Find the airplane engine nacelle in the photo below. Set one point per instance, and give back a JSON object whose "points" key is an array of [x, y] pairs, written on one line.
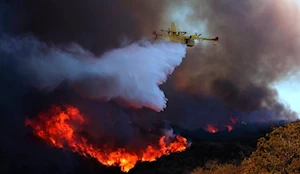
{"points": [[193, 36]]}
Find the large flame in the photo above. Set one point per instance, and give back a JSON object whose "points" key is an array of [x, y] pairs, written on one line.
{"points": [[60, 128]]}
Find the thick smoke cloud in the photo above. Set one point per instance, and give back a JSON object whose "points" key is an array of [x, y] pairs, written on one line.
{"points": [[259, 43], [258, 46], [95, 25]]}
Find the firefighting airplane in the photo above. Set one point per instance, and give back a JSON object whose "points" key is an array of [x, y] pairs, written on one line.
{"points": [[178, 36]]}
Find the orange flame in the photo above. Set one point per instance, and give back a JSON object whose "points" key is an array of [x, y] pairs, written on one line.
{"points": [[212, 128], [229, 127], [233, 120], [59, 128]]}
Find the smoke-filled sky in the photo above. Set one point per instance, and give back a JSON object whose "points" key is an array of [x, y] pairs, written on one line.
{"points": [[289, 87], [258, 49]]}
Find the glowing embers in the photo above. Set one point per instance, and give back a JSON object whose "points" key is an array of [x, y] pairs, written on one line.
{"points": [[211, 128], [61, 128], [214, 128]]}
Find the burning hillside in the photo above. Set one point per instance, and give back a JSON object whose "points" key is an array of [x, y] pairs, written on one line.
{"points": [[61, 128]]}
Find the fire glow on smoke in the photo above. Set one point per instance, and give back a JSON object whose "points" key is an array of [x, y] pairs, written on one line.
{"points": [[60, 128]]}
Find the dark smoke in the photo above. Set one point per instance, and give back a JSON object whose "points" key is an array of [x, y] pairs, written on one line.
{"points": [[96, 25], [258, 45], [259, 42]]}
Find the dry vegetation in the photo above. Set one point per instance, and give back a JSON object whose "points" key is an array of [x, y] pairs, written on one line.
{"points": [[277, 152], [214, 168]]}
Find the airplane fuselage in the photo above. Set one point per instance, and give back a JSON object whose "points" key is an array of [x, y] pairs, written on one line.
{"points": [[176, 35], [182, 39]]}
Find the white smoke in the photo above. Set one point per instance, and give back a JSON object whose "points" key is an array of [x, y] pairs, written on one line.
{"points": [[132, 73]]}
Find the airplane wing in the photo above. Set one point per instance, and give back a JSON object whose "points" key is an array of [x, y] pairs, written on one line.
{"points": [[159, 34], [173, 30], [215, 40]]}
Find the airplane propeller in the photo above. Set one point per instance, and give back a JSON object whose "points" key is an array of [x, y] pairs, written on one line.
{"points": [[197, 35]]}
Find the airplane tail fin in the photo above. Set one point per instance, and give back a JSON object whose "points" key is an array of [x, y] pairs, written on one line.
{"points": [[173, 28], [154, 32], [215, 40]]}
